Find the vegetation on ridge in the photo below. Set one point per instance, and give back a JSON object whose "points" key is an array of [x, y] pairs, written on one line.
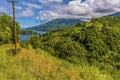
{"points": [[91, 43], [56, 24], [87, 51]]}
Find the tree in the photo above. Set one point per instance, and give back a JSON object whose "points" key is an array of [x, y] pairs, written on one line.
{"points": [[6, 29]]}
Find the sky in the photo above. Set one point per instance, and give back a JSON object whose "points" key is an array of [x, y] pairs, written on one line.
{"points": [[34, 12]]}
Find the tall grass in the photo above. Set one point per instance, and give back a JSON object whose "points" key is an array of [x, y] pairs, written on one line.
{"points": [[32, 64]]}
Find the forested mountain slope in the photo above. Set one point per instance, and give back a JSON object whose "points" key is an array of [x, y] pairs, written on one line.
{"points": [[55, 24], [90, 43], [36, 64]]}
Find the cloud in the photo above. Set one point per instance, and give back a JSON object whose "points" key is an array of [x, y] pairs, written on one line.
{"points": [[27, 12], [49, 1], [18, 8], [23, 26], [31, 5], [80, 9], [3, 9]]}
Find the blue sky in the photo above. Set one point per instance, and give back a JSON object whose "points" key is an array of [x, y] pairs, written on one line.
{"points": [[34, 12]]}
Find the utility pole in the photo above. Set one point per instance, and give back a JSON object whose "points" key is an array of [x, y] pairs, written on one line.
{"points": [[14, 24]]}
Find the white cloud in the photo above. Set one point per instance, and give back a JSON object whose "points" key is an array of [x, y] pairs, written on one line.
{"points": [[49, 1], [27, 12], [37, 17], [23, 26], [18, 8], [31, 5], [3, 9], [76, 9]]}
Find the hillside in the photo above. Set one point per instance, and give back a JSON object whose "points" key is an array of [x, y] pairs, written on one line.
{"points": [[95, 43], [30, 64], [86, 51], [55, 24]]}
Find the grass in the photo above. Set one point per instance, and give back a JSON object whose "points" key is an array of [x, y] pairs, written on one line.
{"points": [[37, 64]]}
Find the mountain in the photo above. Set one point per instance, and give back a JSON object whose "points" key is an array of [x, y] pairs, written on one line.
{"points": [[56, 24], [115, 14], [94, 43]]}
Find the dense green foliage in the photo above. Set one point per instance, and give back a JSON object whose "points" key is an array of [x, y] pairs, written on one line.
{"points": [[6, 29], [95, 43], [89, 51], [56, 24]]}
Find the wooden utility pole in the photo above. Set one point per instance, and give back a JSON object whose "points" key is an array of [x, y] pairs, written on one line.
{"points": [[14, 24]]}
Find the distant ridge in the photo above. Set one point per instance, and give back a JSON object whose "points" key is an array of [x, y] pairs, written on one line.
{"points": [[56, 24], [115, 14]]}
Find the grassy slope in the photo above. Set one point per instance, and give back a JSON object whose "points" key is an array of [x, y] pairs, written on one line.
{"points": [[32, 64]]}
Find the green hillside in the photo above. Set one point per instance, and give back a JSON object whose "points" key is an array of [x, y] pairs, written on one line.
{"points": [[87, 51], [55, 24], [95, 43], [30, 64]]}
